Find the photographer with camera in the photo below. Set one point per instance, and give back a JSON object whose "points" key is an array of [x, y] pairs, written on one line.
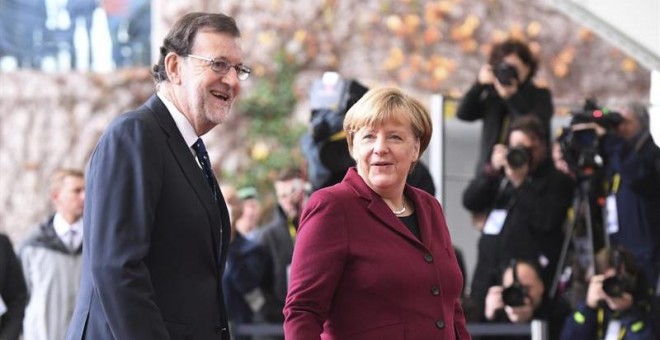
{"points": [[632, 174], [504, 90], [618, 302], [523, 200], [522, 297]]}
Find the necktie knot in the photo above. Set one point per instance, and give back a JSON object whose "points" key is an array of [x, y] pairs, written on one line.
{"points": [[205, 162]]}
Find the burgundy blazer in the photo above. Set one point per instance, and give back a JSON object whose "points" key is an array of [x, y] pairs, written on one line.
{"points": [[359, 273]]}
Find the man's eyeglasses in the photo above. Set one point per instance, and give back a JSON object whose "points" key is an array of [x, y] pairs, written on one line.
{"points": [[222, 66]]}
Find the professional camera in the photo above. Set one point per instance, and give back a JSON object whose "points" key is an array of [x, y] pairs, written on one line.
{"points": [[616, 285], [518, 156], [579, 144], [506, 74], [621, 282], [325, 145], [515, 294]]}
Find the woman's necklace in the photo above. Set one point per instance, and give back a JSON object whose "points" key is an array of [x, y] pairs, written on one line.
{"points": [[400, 211]]}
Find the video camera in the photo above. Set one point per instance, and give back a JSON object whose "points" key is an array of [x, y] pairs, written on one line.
{"points": [[515, 294], [579, 144], [325, 145]]}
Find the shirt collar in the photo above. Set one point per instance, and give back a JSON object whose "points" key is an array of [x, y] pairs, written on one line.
{"points": [[182, 123], [62, 227]]}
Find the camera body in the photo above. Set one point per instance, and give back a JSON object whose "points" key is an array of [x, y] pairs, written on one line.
{"points": [[580, 147], [506, 73], [615, 286], [518, 156], [514, 295]]}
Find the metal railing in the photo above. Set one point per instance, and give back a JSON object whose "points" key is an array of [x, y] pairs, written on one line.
{"points": [[537, 329]]}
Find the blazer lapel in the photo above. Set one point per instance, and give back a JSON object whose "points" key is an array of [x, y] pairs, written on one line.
{"points": [[377, 206], [191, 170], [423, 211]]}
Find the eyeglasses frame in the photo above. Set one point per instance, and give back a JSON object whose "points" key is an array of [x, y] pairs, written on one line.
{"points": [[242, 71]]}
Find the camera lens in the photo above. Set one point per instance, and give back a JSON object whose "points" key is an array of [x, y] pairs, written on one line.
{"points": [[514, 296], [517, 157], [506, 74], [614, 286]]}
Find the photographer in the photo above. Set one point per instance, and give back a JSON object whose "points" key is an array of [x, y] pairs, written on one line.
{"points": [[632, 175], [617, 304], [523, 200], [522, 297], [504, 90]]}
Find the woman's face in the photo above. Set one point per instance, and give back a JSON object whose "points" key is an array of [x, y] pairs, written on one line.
{"points": [[384, 155]]}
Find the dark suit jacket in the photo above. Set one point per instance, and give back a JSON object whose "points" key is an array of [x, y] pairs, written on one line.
{"points": [[12, 290], [359, 273], [155, 238]]}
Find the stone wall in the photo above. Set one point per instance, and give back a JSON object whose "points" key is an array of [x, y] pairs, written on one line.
{"points": [[50, 121]]}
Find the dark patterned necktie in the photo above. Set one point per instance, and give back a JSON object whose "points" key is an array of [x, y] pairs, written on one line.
{"points": [[205, 162]]}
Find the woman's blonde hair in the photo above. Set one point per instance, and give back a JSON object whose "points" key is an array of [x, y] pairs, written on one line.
{"points": [[380, 105]]}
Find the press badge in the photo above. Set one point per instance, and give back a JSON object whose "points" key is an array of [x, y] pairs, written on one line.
{"points": [[495, 222], [613, 330], [612, 215], [3, 306]]}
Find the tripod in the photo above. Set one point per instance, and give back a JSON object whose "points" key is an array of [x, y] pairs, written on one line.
{"points": [[580, 201]]}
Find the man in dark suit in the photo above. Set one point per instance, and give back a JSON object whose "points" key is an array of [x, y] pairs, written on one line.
{"points": [[156, 225], [13, 292]]}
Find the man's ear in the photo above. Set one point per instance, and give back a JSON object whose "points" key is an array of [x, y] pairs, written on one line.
{"points": [[173, 67]]}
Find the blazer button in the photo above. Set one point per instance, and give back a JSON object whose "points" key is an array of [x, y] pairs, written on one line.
{"points": [[428, 257], [440, 324], [435, 291]]}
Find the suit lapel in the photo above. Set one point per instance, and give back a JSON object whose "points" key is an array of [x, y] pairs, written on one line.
{"points": [[191, 170]]}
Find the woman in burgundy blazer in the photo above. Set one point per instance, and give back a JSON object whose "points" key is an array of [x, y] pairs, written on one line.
{"points": [[373, 257]]}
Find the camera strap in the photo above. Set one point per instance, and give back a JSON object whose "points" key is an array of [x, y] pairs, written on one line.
{"points": [[498, 213], [504, 129]]}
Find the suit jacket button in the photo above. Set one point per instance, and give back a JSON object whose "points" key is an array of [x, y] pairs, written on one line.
{"points": [[440, 324], [435, 291], [428, 257]]}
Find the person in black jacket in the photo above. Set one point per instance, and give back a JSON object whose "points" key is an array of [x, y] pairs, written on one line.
{"points": [[13, 292], [523, 201], [504, 90]]}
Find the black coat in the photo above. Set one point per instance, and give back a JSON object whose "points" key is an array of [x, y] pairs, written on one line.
{"points": [[12, 290], [533, 225], [483, 102]]}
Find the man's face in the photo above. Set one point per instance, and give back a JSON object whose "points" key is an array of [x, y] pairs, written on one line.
{"points": [[290, 195], [630, 126], [205, 96], [69, 200]]}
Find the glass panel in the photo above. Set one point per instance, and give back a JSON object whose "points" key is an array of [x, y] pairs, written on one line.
{"points": [[83, 35]]}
